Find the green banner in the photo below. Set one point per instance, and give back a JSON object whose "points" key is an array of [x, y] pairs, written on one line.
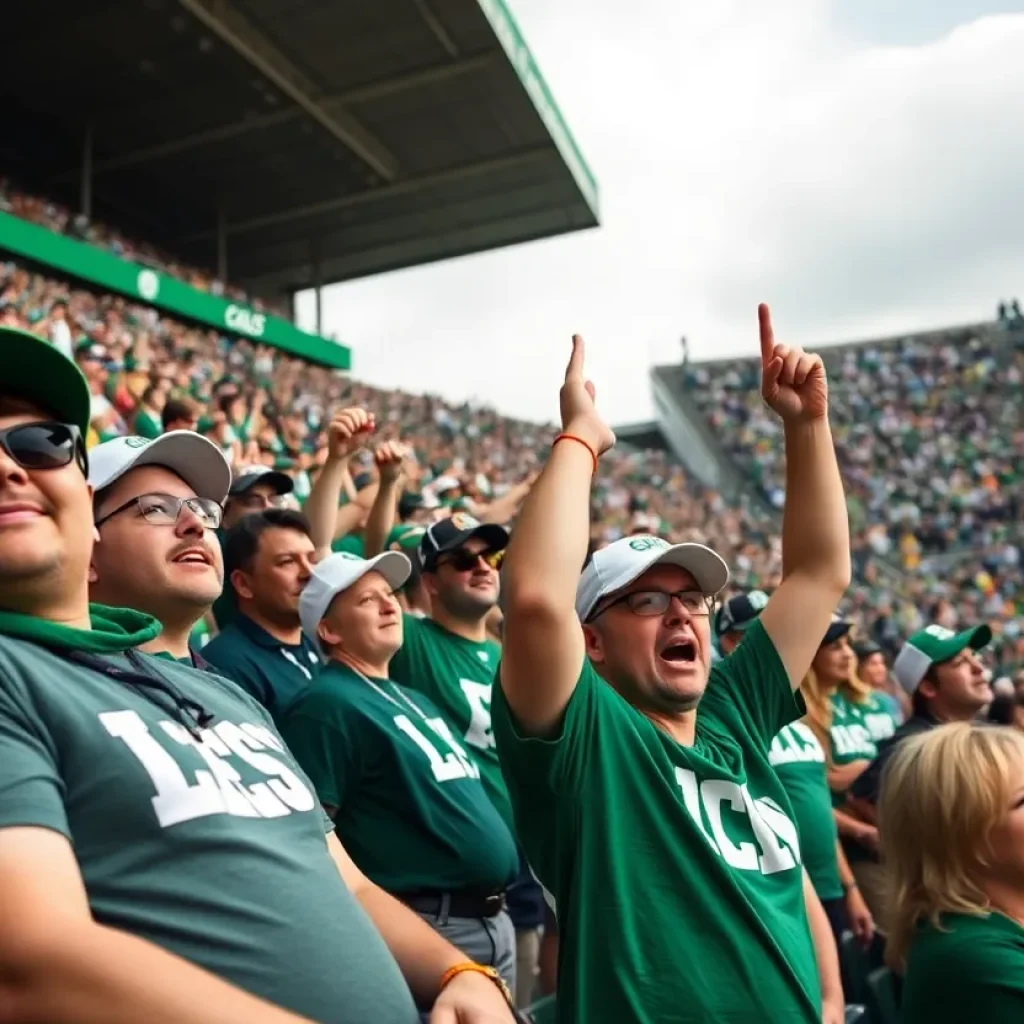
{"points": [[167, 293]]}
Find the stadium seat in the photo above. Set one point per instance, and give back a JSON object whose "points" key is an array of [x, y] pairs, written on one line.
{"points": [[882, 997], [855, 966], [542, 1011]]}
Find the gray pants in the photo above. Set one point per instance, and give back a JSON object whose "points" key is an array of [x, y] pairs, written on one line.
{"points": [[487, 940]]}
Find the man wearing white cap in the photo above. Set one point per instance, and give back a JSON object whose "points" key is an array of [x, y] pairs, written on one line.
{"points": [[405, 796], [662, 831], [157, 505]]}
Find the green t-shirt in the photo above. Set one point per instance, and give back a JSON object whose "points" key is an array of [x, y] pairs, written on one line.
{"points": [[851, 739], [799, 761], [458, 676], [410, 807], [207, 842], [878, 716], [676, 870], [351, 543], [147, 424], [275, 673], [972, 970]]}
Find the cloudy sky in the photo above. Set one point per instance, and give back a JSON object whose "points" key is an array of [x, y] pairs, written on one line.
{"points": [[859, 164]]}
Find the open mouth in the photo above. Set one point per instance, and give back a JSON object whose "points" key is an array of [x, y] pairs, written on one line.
{"points": [[682, 652], [194, 556]]}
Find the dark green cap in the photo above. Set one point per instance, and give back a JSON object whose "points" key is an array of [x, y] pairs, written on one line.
{"points": [[32, 369]]}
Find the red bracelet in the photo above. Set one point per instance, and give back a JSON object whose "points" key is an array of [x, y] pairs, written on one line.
{"points": [[579, 440]]}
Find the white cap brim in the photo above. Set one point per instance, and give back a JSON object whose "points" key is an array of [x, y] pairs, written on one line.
{"points": [[336, 574], [707, 568], [194, 458]]}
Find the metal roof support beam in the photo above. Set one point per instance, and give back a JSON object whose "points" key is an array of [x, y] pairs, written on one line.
{"points": [[85, 198], [370, 195], [225, 21], [237, 128]]}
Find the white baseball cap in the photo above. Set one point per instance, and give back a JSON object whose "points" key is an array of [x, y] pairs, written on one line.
{"points": [[617, 565], [197, 460], [338, 572]]}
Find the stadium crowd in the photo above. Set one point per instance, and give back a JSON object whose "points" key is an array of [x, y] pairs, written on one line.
{"points": [[929, 436], [333, 550]]}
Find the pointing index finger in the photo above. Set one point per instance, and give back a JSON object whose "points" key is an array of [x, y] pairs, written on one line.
{"points": [[575, 367], [764, 323]]}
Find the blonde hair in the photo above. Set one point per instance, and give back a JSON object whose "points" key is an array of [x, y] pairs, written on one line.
{"points": [[819, 705], [942, 795]]}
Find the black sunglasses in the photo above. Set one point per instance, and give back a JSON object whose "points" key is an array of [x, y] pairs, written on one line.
{"points": [[463, 560], [45, 445]]}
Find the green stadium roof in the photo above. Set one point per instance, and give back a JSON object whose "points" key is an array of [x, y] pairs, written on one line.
{"points": [[371, 136]]}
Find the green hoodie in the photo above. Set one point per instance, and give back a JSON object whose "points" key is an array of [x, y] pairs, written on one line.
{"points": [[192, 825]]}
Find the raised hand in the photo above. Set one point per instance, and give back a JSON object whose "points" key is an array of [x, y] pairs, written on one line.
{"points": [[793, 382], [389, 459], [348, 431], [576, 400]]}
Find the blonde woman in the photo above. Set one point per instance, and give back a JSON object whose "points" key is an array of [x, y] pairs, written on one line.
{"points": [[952, 818], [838, 706]]}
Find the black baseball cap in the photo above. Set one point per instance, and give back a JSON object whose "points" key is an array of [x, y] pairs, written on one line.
{"points": [[837, 628], [740, 612], [282, 483], [865, 649], [408, 503], [451, 533]]}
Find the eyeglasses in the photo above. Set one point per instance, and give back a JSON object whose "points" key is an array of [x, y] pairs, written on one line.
{"points": [[656, 602], [164, 509], [464, 560], [258, 502], [46, 445]]}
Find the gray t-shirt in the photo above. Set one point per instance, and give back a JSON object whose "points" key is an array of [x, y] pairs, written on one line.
{"points": [[211, 847]]}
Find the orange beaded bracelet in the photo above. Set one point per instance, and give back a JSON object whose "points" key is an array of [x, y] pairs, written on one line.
{"points": [[579, 440], [488, 972]]}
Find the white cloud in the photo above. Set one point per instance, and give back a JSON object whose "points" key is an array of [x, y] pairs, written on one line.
{"points": [[742, 154]]}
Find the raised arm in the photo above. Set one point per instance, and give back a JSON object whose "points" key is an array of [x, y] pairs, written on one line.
{"points": [[815, 528], [543, 650], [59, 966], [389, 458], [345, 434]]}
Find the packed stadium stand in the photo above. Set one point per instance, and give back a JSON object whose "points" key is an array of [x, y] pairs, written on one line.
{"points": [[929, 433], [926, 429]]}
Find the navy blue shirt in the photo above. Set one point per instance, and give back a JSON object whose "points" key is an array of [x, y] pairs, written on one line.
{"points": [[275, 673]]}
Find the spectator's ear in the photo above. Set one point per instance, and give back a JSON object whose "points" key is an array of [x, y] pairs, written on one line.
{"points": [[593, 644]]}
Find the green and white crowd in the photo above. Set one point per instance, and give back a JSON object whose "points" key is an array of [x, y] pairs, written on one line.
{"points": [[422, 703]]}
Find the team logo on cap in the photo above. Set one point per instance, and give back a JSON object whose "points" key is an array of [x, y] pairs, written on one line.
{"points": [[461, 521], [349, 556], [940, 632], [648, 543], [136, 442]]}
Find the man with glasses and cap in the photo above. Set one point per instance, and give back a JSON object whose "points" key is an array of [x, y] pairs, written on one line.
{"points": [[639, 773], [405, 796], [162, 856], [449, 657], [157, 505]]}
